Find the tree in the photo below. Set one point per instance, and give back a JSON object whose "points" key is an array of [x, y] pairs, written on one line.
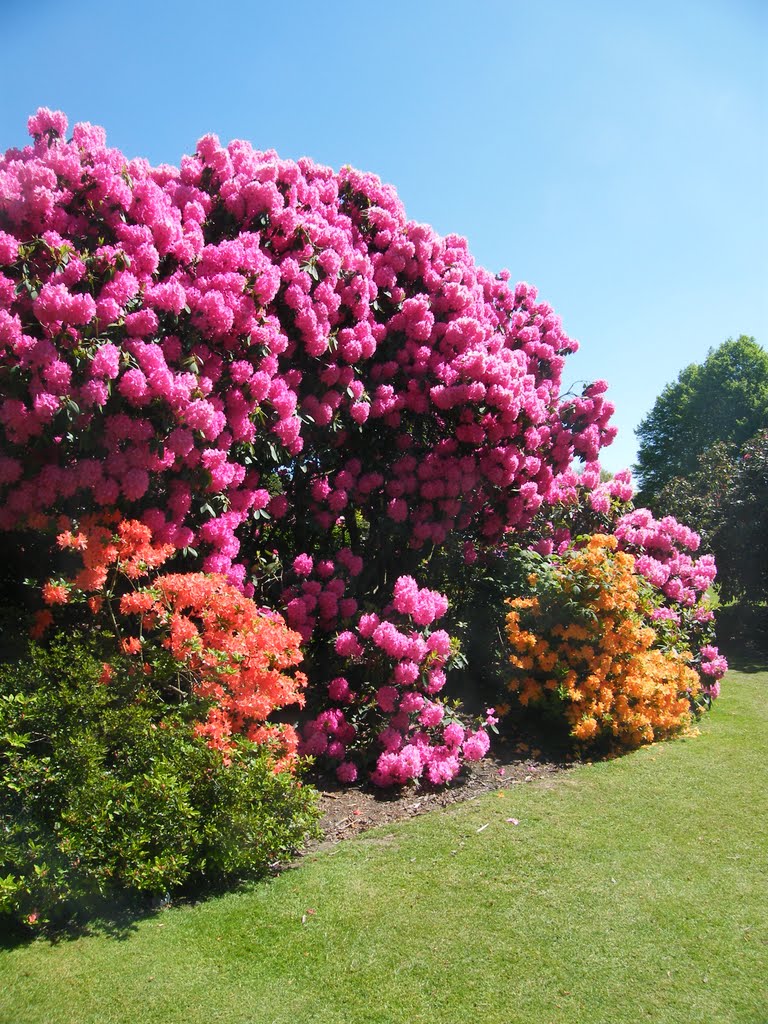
{"points": [[741, 542], [723, 399], [726, 498], [703, 497]]}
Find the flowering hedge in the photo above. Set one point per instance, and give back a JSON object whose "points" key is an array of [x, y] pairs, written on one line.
{"points": [[585, 645], [272, 369], [247, 341]]}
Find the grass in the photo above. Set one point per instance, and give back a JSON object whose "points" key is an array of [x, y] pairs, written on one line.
{"points": [[631, 890]]}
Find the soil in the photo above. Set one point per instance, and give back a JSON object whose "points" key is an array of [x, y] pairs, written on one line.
{"points": [[348, 811]]}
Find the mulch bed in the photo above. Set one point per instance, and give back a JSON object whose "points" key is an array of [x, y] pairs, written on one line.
{"points": [[348, 811]]}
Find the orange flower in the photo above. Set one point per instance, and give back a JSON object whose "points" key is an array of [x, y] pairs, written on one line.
{"points": [[131, 645], [614, 679], [242, 658], [55, 593], [42, 620]]}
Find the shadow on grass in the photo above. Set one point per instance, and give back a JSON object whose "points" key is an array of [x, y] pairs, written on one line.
{"points": [[115, 920], [120, 918], [744, 659]]}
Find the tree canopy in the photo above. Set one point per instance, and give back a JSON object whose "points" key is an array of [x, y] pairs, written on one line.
{"points": [[723, 399]]}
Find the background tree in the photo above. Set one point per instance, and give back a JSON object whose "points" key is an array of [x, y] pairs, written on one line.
{"points": [[741, 541], [723, 399], [704, 496], [727, 498]]}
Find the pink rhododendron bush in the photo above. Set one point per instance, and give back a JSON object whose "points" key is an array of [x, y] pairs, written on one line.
{"points": [[294, 389]]}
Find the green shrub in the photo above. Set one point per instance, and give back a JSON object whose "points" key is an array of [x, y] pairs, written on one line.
{"points": [[106, 791]]}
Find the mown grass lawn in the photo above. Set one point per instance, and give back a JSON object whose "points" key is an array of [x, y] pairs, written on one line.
{"points": [[631, 890]]}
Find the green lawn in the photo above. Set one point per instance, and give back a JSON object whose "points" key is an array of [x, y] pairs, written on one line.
{"points": [[632, 890]]}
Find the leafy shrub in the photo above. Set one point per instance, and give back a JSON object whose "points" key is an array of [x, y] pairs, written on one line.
{"points": [[107, 791], [585, 644], [192, 632]]}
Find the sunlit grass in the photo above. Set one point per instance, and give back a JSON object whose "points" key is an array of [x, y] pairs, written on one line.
{"points": [[631, 890]]}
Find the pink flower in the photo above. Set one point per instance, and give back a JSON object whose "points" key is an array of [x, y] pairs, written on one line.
{"points": [[411, 702], [338, 689], [348, 646], [367, 624], [431, 714], [713, 663], [386, 698], [442, 767], [346, 772], [302, 565], [315, 744], [336, 750], [436, 680], [406, 594], [387, 637], [476, 745], [47, 122], [453, 734], [440, 643], [406, 672], [391, 739]]}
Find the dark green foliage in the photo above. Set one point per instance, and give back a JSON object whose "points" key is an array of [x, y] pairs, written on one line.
{"points": [[477, 612], [741, 541], [727, 498], [723, 399], [703, 496], [107, 792]]}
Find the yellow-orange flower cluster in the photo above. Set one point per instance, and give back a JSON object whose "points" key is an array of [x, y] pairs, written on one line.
{"points": [[584, 643]]}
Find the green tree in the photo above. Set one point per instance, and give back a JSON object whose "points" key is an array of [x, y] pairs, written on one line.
{"points": [[703, 497], [723, 399], [741, 542], [726, 499]]}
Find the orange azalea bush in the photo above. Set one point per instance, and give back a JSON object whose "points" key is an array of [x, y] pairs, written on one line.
{"points": [[193, 634], [583, 646]]}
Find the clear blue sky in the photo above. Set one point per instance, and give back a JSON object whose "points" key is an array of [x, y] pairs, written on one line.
{"points": [[612, 153]]}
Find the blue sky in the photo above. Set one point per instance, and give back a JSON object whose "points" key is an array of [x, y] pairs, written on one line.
{"points": [[613, 154]]}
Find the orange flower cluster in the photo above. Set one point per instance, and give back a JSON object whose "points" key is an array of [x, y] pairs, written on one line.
{"points": [[583, 643], [237, 653], [234, 653]]}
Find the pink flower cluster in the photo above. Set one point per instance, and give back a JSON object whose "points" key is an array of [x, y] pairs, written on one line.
{"points": [[713, 665], [576, 495], [320, 598], [204, 326], [401, 727], [661, 549], [661, 555]]}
